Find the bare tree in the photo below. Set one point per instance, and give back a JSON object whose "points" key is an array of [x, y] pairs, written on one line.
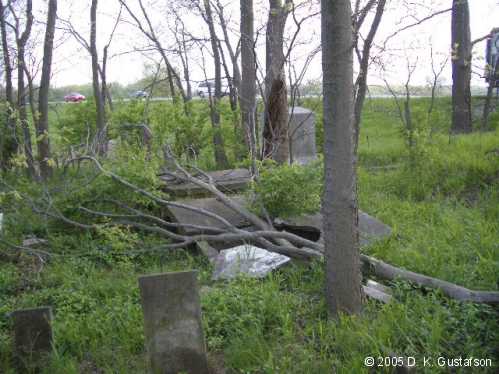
{"points": [[461, 67], [148, 30], [179, 31], [218, 142], [42, 125], [235, 82], [339, 203], [364, 56]]}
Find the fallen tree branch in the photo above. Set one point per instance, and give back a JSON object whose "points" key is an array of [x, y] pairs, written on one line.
{"points": [[454, 291]]}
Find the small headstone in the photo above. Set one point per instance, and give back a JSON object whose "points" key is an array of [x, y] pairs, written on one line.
{"points": [[302, 135], [247, 259], [32, 337], [172, 323]]}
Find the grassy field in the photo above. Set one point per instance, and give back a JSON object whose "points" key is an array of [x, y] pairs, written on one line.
{"points": [[441, 198]]}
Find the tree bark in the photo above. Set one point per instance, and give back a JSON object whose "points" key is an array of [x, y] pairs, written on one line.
{"points": [[339, 202], [42, 128], [461, 67], [8, 137], [101, 133], [247, 95], [275, 131], [218, 142]]}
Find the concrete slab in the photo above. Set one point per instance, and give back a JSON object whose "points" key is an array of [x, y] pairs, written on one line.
{"points": [[228, 181]]}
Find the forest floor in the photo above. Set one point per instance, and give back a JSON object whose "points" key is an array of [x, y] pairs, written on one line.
{"points": [[441, 200]]}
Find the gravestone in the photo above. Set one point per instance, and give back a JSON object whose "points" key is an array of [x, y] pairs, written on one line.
{"points": [[32, 337], [172, 323], [309, 226], [301, 133]]}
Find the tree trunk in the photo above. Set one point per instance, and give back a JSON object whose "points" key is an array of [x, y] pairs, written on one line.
{"points": [[42, 128], [247, 95], [21, 89], [461, 67], [218, 142], [106, 94], [339, 202], [8, 137], [101, 134], [275, 132]]}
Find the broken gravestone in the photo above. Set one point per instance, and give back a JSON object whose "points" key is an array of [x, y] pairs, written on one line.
{"points": [[32, 338], [172, 323], [310, 226], [246, 259], [302, 148]]}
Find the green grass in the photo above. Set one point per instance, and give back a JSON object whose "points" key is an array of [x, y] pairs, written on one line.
{"points": [[443, 206]]}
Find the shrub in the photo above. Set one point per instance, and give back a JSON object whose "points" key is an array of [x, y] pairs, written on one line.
{"points": [[289, 190]]}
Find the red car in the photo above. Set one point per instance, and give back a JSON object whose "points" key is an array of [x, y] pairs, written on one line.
{"points": [[74, 98]]}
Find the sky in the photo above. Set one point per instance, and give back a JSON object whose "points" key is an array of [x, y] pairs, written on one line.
{"points": [[409, 48]]}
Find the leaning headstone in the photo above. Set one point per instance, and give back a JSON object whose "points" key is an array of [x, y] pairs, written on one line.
{"points": [[302, 135], [32, 338], [172, 323], [247, 259]]}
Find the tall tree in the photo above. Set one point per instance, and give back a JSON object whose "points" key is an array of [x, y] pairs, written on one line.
{"points": [[218, 142], [339, 202], [247, 95], [364, 56], [275, 131], [42, 125], [8, 137], [22, 38], [461, 67], [101, 135]]}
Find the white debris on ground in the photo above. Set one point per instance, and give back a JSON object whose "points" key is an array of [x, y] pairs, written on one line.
{"points": [[246, 259]]}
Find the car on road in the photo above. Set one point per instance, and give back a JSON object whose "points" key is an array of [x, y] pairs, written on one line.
{"points": [[140, 94], [74, 97], [206, 88]]}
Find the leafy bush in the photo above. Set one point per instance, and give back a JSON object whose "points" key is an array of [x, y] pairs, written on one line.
{"points": [[289, 190]]}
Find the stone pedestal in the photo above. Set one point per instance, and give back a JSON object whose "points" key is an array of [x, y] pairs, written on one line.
{"points": [[301, 132], [32, 338], [172, 323]]}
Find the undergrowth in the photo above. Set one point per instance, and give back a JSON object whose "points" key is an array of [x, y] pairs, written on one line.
{"points": [[441, 200]]}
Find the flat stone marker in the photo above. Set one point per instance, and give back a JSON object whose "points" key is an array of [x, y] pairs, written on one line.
{"points": [[186, 216], [228, 181], [302, 135], [32, 337], [172, 323]]}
